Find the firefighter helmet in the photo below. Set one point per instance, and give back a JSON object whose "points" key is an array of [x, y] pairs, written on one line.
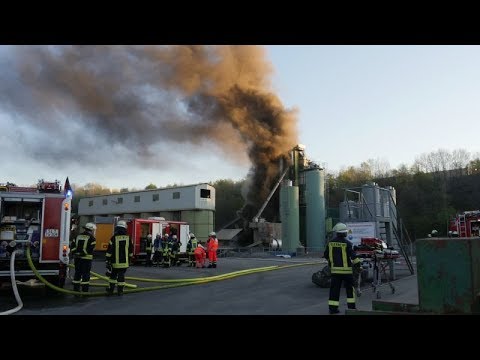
{"points": [[149, 236], [434, 232], [212, 234], [122, 224], [174, 237], [192, 236], [90, 226], [340, 228]]}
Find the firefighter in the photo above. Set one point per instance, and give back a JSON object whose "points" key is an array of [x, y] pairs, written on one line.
{"points": [[82, 249], [148, 249], [340, 255], [212, 246], [119, 254], [191, 246], [166, 247], [157, 250], [175, 249], [200, 256]]}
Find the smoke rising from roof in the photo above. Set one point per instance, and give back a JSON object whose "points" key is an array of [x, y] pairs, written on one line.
{"points": [[111, 101]]}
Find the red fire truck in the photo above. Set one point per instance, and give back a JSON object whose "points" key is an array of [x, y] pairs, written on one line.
{"points": [[466, 224], [138, 229], [39, 216]]}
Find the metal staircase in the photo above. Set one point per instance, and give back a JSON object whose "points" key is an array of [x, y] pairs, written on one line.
{"points": [[388, 219]]}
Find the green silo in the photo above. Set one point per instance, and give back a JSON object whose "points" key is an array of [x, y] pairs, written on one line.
{"points": [[289, 215], [315, 208]]}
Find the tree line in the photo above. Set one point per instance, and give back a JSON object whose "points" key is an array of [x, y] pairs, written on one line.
{"points": [[430, 191]]}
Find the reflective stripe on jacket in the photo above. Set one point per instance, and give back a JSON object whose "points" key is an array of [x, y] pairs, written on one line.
{"points": [[340, 255], [84, 245], [120, 249]]}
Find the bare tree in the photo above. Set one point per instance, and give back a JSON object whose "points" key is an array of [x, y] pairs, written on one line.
{"points": [[460, 159], [380, 168], [442, 160]]}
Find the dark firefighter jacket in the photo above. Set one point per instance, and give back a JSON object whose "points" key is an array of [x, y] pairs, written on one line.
{"points": [[148, 245], [340, 255], [192, 245], [82, 246], [120, 249]]}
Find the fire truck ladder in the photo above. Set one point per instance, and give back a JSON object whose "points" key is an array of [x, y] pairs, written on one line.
{"points": [[462, 226]]}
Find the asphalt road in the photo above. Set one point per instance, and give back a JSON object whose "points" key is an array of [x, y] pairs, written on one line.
{"points": [[287, 291]]}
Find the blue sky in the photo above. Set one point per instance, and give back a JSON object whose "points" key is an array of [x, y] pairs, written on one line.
{"points": [[389, 102], [354, 103]]}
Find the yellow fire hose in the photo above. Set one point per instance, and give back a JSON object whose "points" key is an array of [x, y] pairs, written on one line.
{"points": [[174, 282], [102, 277]]}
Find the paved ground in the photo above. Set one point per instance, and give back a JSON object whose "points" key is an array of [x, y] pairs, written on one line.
{"points": [[288, 291]]}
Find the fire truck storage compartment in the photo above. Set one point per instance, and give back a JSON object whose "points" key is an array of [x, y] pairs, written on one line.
{"points": [[20, 220]]}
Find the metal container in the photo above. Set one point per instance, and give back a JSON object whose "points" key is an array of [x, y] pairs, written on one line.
{"points": [[371, 206], [448, 273], [393, 202], [315, 209], [289, 215]]}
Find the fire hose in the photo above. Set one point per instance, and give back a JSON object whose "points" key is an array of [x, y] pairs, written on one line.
{"points": [[14, 286], [170, 283]]}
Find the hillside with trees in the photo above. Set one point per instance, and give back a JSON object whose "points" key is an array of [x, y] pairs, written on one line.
{"points": [[431, 190]]}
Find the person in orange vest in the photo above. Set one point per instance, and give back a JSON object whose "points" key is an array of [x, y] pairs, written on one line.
{"points": [[200, 256], [212, 247]]}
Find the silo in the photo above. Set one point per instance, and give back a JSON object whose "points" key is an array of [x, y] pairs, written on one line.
{"points": [[315, 208], [393, 202], [289, 216], [385, 200], [371, 195]]}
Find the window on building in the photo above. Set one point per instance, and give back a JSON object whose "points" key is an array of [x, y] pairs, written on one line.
{"points": [[205, 193], [104, 201], [137, 198], [176, 195], [119, 200], [155, 197], [90, 203]]}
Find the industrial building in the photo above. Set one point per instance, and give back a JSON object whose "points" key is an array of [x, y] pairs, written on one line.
{"points": [[302, 208], [194, 204], [371, 211]]}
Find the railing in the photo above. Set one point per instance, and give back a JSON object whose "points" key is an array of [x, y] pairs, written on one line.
{"points": [[402, 239], [401, 235]]}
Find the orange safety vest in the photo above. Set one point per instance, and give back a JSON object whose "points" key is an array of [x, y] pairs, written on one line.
{"points": [[199, 250], [212, 244]]}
